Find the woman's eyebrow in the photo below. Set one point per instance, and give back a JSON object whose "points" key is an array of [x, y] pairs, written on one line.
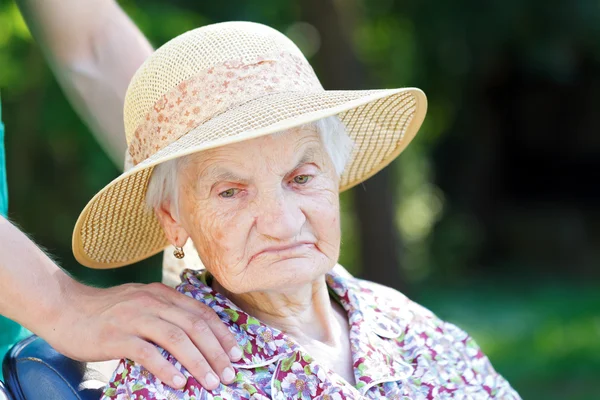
{"points": [[309, 155], [220, 174]]}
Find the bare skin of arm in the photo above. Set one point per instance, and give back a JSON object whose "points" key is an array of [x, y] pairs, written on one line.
{"points": [[94, 49], [93, 324]]}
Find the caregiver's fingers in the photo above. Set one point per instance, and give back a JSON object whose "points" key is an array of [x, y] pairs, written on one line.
{"points": [[203, 316], [198, 328], [176, 341], [217, 328], [147, 354]]}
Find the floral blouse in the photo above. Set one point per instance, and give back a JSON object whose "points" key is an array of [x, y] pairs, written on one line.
{"points": [[400, 351]]}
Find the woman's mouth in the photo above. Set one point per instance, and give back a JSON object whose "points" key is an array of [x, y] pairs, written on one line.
{"points": [[286, 251]]}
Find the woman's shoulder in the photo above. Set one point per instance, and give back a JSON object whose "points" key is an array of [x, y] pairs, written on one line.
{"points": [[393, 301], [430, 344], [397, 313], [380, 298]]}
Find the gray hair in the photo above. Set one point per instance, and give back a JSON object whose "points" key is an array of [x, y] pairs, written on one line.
{"points": [[163, 182]]}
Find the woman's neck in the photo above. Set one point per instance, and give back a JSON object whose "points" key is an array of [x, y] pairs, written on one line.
{"points": [[309, 316], [306, 313]]}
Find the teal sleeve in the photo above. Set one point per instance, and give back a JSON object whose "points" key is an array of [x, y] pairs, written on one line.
{"points": [[3, 185]]}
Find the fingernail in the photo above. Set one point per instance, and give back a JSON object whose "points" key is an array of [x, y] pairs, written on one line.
{"points": [[211, 379], [178, 381], [228, 374], [235, 353]]}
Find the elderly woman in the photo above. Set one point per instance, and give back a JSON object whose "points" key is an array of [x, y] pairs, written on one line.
{"points": [[238, 148]]}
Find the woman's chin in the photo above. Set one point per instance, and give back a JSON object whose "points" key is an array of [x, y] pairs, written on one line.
{"points": [[294, 271]]}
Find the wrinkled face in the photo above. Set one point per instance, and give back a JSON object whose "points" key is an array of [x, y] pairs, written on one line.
{"points": [[264, 213]]}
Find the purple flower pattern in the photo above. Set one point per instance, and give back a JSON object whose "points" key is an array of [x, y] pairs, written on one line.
{"points": [[400, 351]]}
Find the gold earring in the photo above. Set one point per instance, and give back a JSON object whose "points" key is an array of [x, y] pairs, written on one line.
{"points": [[178, 252]]}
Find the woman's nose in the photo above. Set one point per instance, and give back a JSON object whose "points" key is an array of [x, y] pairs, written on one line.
{"points": [[279, 216]]}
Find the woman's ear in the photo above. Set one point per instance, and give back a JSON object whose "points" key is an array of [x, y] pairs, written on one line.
{"points": [[171, 225]]}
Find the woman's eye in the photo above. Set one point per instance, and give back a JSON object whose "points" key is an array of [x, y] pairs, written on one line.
{"points": [[228, 193], [302, 179]]}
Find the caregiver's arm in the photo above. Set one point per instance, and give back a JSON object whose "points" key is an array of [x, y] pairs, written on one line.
{"points": [[93, 324], [93, 49]]}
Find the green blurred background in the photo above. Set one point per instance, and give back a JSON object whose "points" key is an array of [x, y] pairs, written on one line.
{"points": [[491, 218]]}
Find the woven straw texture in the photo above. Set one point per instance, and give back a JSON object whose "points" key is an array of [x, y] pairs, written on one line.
{"points": [[192, 52], [117, 229]]}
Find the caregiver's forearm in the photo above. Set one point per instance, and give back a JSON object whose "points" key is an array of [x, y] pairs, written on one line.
{"points": [[125, 321], [93, 49], [32, 287]]}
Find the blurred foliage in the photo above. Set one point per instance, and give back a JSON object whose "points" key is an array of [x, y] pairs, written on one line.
{"points": [[542, 334]]}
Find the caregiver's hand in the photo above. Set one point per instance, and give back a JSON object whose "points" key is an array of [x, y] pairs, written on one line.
{"points": [[92, 324], [124, 321]]}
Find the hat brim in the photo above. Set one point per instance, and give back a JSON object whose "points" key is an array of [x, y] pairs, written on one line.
{"points": [[116, 228]]}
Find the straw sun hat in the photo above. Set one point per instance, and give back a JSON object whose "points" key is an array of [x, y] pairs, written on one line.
{"points": [[222, 84]]}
